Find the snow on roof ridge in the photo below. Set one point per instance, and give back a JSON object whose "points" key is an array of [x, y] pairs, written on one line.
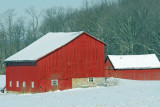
{"points": [[42, 46], [143, 61], [131, 55]]}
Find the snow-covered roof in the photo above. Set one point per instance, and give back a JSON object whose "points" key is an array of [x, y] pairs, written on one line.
{"points": [[146, 61], [43, 46]]}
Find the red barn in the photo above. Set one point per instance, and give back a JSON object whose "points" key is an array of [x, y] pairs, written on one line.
{"points": [[56, 61], [136, 67]]}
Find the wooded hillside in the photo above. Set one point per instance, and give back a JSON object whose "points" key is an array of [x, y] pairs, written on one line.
{"points": [[127, 26]]}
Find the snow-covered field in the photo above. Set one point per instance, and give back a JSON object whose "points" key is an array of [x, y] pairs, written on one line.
{"points": [[2, 81], [128, 93]]}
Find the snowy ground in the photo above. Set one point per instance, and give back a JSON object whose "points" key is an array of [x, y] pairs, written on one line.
{"points": [[2, 82], [128, 93]]}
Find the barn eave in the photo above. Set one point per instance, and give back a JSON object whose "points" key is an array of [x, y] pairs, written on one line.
{"points": [[18, 61]]}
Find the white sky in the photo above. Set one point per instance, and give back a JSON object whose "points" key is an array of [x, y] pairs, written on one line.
{"points": [[21, 5]]}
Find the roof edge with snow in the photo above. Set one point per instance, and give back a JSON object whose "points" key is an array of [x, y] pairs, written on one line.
{"points": [[33, 53], [124, 62]]}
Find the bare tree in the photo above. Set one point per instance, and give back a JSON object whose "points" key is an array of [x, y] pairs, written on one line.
{"points": [[32, 32]]}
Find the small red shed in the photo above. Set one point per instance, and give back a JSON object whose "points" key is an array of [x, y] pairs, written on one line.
{"points": [[136, 67], [53, 61]]}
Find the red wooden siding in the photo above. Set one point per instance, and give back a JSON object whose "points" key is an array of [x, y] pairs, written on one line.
{"points": [[80, 58], [135, 74], [45, 85], [83, 57], [21, 73]]}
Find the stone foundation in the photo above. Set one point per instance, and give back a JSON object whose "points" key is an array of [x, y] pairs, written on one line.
{"points": [[84, 82]]}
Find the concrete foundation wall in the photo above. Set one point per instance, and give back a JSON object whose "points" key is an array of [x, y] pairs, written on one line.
{"points": [[84, 82]]}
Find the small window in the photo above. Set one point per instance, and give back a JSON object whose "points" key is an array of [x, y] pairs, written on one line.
{"points": [[54, 82], [32, 84], [90, 79], [24, 84], [17, 83], [10, 83]]}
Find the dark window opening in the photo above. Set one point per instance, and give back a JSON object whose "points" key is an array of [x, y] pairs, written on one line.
{"points": [[90, 79]]}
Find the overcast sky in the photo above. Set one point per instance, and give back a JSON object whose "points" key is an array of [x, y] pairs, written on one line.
{"points": [[21, 5]]}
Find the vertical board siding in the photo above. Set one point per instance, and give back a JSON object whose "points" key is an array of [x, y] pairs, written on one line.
{"points": [[21, 73], [83, 57]]}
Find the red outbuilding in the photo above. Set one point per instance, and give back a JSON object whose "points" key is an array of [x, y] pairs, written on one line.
{"points": [[56, 61], [136, 67]]}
